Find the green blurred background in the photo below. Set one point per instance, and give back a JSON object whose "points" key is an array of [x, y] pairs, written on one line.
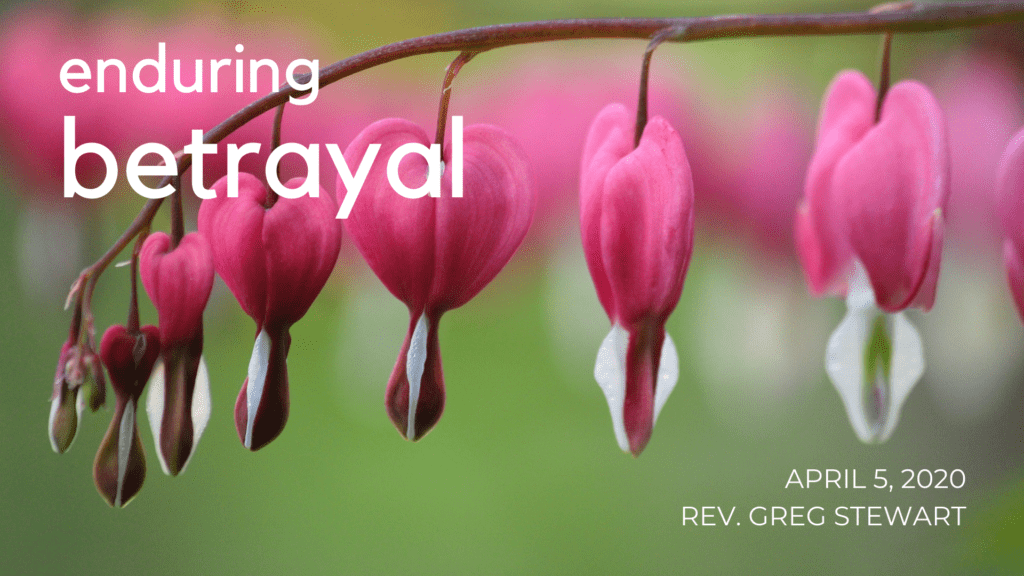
{"points": [[522, 475]]}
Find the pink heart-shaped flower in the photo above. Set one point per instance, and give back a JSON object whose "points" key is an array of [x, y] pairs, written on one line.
{"points": [[178, 282], [120, 466], [275, 260], [636, 220], [436, 253], [876, 192]]}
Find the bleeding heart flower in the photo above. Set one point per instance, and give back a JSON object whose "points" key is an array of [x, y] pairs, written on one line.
{"points": [[872, 219], [179, 282], [1010, 188], [275, 259], [120, 466], [636, 218], [436, 253]]}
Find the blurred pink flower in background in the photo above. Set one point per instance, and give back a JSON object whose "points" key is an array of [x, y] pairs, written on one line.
{"points": [[1011, 212], [36, 41], [34, 44], [764, 186], [982, 94], [549, 103]]}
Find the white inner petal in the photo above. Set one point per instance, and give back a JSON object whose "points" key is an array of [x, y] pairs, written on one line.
{"points": [[610, 373], [415, 362], [124, 446], [258, 364], [860, 295], [201, 406], [845, 362], [155, 409], [668, 374], [907, 368]]}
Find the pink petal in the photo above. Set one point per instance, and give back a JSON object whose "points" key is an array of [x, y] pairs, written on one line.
{"points": [[440, 252], [893, 185], [475, 236], [178, 282], [129, 359], [609, 139], [393, 233], [1015, 274], [847, 114], [234, 229], [1010, 188], [647, 225], [301, 240], [275, 260], [636, 217]]}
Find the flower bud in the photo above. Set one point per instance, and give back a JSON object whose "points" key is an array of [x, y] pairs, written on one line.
{"points": [[78, 369], [120, 466], [65, 404]]}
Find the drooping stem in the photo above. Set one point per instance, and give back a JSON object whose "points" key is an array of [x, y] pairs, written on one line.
{"points": [[86, 282], [883, 75], [275, 135], [133, 305], [177, 216], [446, 93], [75, 331], [275, 141], [645, 69], [919, 18], [922, 18]]}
